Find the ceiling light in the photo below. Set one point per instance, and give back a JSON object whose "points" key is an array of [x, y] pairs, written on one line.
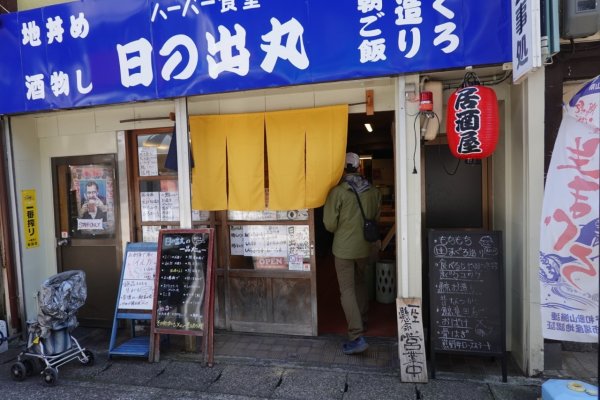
{"points": [[365, 157], [369, 128]]}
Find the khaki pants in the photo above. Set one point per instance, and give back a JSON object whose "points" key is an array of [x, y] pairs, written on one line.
{"points": [[352, 276]]}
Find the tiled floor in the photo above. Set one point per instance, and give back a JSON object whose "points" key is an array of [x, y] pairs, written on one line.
{"points": [[382, 356], [382, 352]]}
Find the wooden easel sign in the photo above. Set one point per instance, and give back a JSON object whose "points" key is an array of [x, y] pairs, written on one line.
{"points": [[184, 288]]}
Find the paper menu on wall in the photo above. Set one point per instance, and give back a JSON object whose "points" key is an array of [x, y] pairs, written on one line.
{"points": [[236, 240], [150, 233], [148, 161], [298, 241], [169, 206], [265, 241], [291, 242], [150, 206]]}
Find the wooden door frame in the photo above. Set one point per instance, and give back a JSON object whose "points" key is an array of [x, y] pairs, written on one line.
{"points": [[486, 186], [133, 179], [85, 159], [6, 228]]}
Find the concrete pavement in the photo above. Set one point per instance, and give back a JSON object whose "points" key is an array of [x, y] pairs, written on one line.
{"points": [[126, 379], [180, 376]]}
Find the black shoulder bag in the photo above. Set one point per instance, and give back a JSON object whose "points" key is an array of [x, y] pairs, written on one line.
{"points": [[370, 230]]}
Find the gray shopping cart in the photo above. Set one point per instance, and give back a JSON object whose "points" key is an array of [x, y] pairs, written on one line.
{"points": [[49, 341]]}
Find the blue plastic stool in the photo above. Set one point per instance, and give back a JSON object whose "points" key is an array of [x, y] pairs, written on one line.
{"points": [[564, 389]]}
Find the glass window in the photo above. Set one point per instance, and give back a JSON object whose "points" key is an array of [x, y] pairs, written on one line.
{"points": [[156, 190], [152, 153], [159, 200]]}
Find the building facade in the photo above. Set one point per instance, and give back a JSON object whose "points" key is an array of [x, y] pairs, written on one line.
{"points": [[53, 153]]}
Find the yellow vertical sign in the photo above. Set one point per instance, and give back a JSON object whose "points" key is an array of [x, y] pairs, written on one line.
{"points": [[30, 218]]}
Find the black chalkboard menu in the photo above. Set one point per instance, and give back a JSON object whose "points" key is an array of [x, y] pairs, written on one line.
{"points": [[466, 286], [184, 284]]}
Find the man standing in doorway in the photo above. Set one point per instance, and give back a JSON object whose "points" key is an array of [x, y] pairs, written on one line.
{"points": [[342, 217]]}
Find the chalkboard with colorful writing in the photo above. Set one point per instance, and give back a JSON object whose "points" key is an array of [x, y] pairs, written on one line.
{"points": [[466, 284], [184, 287]]}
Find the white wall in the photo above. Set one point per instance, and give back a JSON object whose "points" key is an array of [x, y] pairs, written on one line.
{"points": [[307, 96], [408, 190], [39, 137], [501, 203], [28, 4], [518, 189], [26, 153]]}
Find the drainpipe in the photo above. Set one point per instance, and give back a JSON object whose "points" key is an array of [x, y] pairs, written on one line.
{"points": [[5, 234], [401, 188]]}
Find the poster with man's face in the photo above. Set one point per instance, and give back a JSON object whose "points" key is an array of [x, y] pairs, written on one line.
{"points": [[92, 186]]}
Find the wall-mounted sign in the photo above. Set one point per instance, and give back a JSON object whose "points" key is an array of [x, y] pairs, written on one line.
{"points": [[411, 343], [30, 218], [77, 54], [526, 37]]}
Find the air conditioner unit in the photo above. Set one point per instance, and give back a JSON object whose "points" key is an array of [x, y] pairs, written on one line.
{"points": [[580, 18]]}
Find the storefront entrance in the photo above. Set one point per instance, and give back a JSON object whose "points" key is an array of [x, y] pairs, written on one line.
{"points": [[87, 229], [377, 165], [275, 272]]}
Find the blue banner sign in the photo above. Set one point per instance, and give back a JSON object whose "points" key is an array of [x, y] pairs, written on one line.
{"points": [[95, 52]]}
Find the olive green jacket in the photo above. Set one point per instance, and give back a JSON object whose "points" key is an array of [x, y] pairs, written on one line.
{"points": [[342, 217]]}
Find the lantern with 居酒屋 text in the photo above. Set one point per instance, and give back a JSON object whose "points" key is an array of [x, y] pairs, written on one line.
{"points": [[472, 122]]}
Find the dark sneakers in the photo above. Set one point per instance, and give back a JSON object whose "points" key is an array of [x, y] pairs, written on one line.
{"points": [[355, 346]]}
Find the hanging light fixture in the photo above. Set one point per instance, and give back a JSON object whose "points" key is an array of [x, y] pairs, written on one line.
{"points": [[472, 120]]}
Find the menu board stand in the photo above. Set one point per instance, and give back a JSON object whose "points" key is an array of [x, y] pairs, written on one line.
{"points": [[467, 295], [184, 289], [135, 298]]}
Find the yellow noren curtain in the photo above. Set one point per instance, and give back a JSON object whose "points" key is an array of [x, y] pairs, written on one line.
{"points": [[305, 153], [285, 152], [246, 161], [208, 136], [326, 136]]}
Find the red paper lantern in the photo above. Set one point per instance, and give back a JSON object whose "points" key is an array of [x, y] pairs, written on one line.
{"points": [[472, 122]]}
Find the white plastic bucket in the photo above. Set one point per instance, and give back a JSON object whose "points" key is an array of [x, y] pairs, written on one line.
{"points": [[385, 281]]}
